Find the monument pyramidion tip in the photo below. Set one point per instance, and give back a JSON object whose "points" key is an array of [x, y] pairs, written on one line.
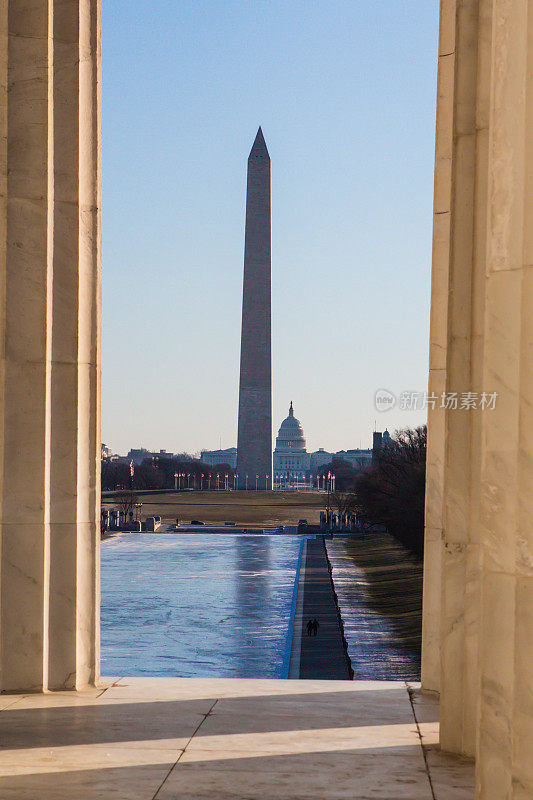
{"points": [[259, 148]]}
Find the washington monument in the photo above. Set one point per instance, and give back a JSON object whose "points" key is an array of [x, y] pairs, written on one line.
{"points": [[254, 439]]}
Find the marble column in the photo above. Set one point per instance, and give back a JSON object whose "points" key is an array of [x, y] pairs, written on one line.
{"points": [[50, 384], [452, 574], [505, 743], [478, 593]]}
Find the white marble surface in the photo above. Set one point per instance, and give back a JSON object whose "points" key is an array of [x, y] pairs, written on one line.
{"points": [[50, 344], [169, 738], [478, 590]]}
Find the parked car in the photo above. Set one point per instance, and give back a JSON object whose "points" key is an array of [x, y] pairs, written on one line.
{"points": [[196, 522]]}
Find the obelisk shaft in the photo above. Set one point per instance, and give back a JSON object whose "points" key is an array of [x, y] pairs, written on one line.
{"points": [[254, 445]]}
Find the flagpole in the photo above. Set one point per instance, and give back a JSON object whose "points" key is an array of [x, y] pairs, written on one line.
{"points": [[329, 485]]}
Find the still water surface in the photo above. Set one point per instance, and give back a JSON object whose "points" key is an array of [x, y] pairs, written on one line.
{"points": [[196, 605]]}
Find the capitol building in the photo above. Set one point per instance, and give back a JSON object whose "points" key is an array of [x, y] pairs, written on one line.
{"points": [[292, 463], [290, 456]]}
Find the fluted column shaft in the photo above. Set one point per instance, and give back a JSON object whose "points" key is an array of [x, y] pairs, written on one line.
{"points": [[51, 346], [478, 594]]}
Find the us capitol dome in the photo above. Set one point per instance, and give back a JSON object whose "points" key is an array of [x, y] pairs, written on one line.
{"points": [[291, 458]]}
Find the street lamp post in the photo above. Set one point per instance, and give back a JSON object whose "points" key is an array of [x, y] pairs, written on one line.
{"points": [[246, 482]]}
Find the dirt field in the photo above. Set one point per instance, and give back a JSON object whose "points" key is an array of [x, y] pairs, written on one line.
{"points": [[247, 508]]}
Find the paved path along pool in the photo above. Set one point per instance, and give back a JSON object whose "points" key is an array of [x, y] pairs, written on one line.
{"points": [[322, 656]]}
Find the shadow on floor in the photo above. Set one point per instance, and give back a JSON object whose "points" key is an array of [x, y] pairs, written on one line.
{"points": [[99, 722], [244, 740]]}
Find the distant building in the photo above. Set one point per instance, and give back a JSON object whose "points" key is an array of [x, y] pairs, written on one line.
{"points": [[215, 457], [162, 454], [359, 459], [319, 459], [105, 452], [138, 455], [290, 455], [379, 440]]}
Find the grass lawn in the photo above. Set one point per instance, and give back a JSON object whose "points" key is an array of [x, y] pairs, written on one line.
{"points": [[247, 508]]}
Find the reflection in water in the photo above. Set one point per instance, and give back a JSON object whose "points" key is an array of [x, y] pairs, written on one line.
{"points": [[379, 590], [253, 588], [203, 605]]}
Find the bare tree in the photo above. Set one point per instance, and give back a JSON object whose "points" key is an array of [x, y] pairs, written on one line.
{"points": [[126, 500], [392, 492], [343, 502]]}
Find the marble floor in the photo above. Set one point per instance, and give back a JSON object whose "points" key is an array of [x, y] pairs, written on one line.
{"points": [[170, 738]]}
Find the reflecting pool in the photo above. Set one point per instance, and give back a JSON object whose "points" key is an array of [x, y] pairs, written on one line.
{"points": [[197, 605]]}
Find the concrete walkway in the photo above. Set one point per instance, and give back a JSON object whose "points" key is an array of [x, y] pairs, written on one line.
{"points": [[320, 657], [193, 739]]}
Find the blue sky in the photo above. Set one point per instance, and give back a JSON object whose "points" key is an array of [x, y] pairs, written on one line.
{"points": [[345, 93]]}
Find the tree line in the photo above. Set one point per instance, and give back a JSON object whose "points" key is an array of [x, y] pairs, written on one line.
{"points": [[392, 491], [158, 473]]}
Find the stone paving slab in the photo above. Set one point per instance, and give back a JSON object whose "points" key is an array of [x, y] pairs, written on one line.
{"points": [[177, 738], [452, 777]]}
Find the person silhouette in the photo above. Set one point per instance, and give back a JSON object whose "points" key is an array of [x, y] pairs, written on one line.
{"points": [[316, 626], [309, 627]]}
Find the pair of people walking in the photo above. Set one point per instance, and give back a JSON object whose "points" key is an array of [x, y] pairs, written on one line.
{"points": [[312, 627]]}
